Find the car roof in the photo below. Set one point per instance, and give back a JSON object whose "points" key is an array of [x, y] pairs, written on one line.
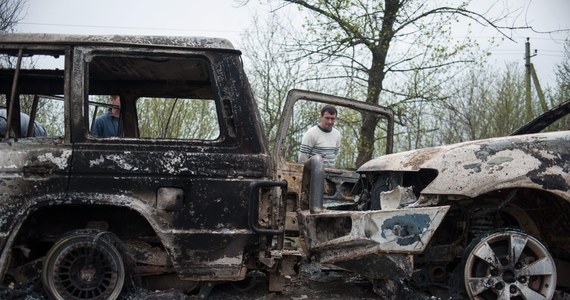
{"points": [[131, 40]]}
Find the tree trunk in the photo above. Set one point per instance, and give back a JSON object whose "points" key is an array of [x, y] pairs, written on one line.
{"points": [[376, 76], [366, 142]]}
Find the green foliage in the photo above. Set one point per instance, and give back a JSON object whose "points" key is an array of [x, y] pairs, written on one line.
{"points": [[486, 104], [563, 74], [50, 109], [49, 112], [177, 118], [274, 69], [562, 93]]}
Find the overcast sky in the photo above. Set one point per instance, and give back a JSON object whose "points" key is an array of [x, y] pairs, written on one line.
{"points": [[223, 18]]}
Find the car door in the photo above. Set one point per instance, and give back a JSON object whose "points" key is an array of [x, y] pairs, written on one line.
{"points": [[300, 112], [332, 224]]}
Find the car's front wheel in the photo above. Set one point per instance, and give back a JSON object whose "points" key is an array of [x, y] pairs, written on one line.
{"points": [[509, 264], [84, 265]]}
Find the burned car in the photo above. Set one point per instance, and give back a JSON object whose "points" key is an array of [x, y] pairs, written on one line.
{"points": [[501, 209]]}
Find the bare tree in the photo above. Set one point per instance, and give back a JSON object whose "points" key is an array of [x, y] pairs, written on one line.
{"points": [[361, 35], [10, 14], [366, 40], [486, 103], [273, 71]]}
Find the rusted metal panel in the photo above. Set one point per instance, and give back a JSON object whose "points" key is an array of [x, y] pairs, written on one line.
{"points": [[389, 231], [376, 244], [492, 186], [209, 255], [398, 197], [30, 173]]}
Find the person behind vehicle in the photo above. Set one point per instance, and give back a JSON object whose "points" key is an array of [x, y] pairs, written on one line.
{"points": [[322, 139], [38, 129], [108, 124]]}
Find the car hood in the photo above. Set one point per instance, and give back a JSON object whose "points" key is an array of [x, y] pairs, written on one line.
{"points": [[475, 167]]}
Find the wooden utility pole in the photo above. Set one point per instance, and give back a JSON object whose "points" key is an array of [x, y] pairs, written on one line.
{"points": [[530, 72], [538, 89], [528, 100]]}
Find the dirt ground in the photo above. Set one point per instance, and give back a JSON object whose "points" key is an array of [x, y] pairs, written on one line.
{"points": [[313, 282]]}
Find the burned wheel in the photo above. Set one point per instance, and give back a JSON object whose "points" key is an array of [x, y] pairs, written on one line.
{"points": [[84, 265], [509, 264]]}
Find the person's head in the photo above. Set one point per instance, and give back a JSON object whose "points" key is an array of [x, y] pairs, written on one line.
{"points": [[328, 117], [115, 100]]}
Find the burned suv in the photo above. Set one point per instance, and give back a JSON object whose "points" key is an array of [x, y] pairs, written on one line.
{"points": [[164, 201], [182, 189]]}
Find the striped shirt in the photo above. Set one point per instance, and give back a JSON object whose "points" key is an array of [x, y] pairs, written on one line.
{"points": [[318, 141]]}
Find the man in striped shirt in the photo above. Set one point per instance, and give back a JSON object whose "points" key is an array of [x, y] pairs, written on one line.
{"points": [[322, 139]]}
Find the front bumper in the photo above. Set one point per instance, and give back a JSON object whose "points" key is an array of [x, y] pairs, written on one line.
{"points": [[373, 243]]}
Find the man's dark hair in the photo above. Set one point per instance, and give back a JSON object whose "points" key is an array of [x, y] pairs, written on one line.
{"points": [[328, 108]]}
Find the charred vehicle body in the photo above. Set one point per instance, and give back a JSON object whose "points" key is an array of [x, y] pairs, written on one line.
{"points": [[502, 203], [164, 197], [185, 194]]}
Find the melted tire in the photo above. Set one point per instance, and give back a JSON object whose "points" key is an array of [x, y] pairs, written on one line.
{"points": [[84, 264]]}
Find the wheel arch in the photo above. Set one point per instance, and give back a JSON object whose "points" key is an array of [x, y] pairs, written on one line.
{"points": [[540, 213], [536, 212], [55, 220], [44, 222]]}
